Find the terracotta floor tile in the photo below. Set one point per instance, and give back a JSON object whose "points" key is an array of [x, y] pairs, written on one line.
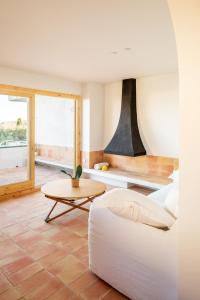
{"points": [[96, 290], [44, 291], [63, 237], [28, 239], [80, 228], [84, 217], [10, 294], [41, 249], [85, 260], [40, 286], [12, 258], [81, 252], [83, 282], [17, 265], [24, 273], [76, 297], [72, 222], [3, 237], [77, 243], [42, 261], [4, 283], [68, 269], [5, 221], [40, 225], [63, 294], [55, 256], [7, 248], [66, 219], [48, 234], [14, 230], [82, 255], [114, 295], [77, 225]]}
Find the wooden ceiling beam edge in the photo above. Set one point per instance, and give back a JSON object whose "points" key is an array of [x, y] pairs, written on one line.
{"points": [[14, 88]]}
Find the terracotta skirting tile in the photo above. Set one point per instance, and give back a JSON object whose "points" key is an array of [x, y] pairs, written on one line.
{"points": [[56, 153], [146, 164]]}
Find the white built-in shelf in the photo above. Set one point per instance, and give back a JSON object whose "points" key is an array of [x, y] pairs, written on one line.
{"points": [[115, 176]]}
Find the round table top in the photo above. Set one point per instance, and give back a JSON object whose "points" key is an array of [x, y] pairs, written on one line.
{"points": [[63, 189]]}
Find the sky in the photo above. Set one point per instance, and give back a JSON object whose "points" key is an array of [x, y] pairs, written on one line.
{"points": [[11, 111]]}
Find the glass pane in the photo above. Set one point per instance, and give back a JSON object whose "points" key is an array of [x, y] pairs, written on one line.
{"points": [[13, 139], [54, 137]]}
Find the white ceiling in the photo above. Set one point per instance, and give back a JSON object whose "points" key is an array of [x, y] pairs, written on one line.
{"points": [[74, 38]]}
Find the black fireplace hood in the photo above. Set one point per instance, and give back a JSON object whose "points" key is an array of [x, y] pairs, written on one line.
{"points": [[127, 140]]}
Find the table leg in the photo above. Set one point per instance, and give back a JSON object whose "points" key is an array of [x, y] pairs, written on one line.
{"points": [[47, 218], [71, 203], [67, 202]]}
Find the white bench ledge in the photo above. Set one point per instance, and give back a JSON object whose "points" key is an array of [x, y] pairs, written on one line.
{"points": [[115, 177]]}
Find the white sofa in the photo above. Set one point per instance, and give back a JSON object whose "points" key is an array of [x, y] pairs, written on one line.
{"points": [[138, 260]]}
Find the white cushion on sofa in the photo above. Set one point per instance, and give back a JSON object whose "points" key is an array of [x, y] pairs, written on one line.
{"points": [[137, 207]]}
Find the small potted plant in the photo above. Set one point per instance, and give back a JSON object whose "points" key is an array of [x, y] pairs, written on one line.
{"points": [[76, 177]]}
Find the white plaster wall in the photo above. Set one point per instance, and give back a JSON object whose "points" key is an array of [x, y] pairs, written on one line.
{"points": [[185, 16], [96, 116], [54, 121], [157, 106], [38, 81], [93, 116], [112, 108], [85, 118], [158, 114]]}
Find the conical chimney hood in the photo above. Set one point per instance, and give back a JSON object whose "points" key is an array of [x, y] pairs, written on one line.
{"points": [[126, 140]]}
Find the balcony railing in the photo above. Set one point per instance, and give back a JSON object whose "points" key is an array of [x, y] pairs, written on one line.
{"points": [[11, 143], [13, 156]]}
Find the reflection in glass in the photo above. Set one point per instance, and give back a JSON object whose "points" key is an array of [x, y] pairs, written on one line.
{"points": [[13, 139]]}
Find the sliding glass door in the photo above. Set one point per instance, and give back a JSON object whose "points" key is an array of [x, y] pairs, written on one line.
{"points": [[16, 141], [55, 136]]}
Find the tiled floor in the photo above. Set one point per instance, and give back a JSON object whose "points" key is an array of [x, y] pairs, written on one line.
{"points": [[45, 261], [43, 174]]}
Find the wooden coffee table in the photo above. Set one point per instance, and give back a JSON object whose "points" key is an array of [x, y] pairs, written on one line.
{"points": [[61, 191]]}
